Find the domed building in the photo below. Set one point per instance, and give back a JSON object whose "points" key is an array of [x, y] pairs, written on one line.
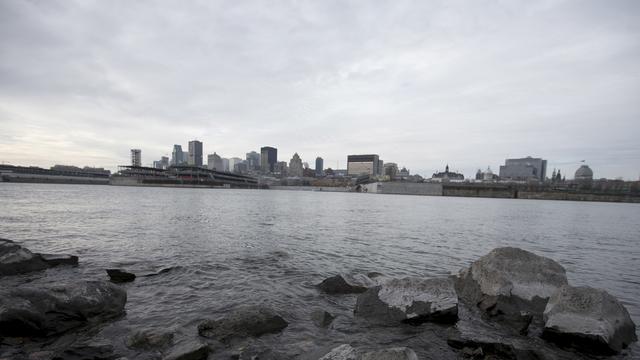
{"points": [[584, 174]]}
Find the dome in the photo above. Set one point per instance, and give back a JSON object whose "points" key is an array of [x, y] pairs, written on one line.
{"points": [[584, 173]]}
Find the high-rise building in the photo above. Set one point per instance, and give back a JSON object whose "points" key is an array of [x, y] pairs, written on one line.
{"points": [[163, 163], [253, 160], [362, 164], [281, 168], [268, 159], [225, 164], [319, 166], [295, 166], [232, 163], [177, 156], [136, 157], [214, 162], [380, 167], [195, 153], [524, 169]]}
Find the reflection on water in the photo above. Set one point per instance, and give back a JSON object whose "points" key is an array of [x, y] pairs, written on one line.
{"points": [[211, 250]]}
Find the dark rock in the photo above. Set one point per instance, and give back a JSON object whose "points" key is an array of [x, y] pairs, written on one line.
{"points": [[83, 352], [119, 276], [252, 321], [149, 340], [15, 259], [338, 285], [189, 350], [59, 259], [397, 353], [588, 319], [33, 312], [322, 318], [410, 300]]}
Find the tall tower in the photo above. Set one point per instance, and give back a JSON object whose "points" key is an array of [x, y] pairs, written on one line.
{"points": [[136, 157], [319, 166], [195, 153], [268, 159]]}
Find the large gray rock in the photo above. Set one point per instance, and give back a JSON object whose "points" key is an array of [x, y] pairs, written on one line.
{"points": [[410, 300], [588, 319], [15, 259], [342, 352], [149, 340], [347, 352], [188, 350], [511, 285], [252, 321], [338, 284], [32, 312]]}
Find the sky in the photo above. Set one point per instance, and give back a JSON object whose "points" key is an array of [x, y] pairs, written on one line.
{"points": [[420, 83]]}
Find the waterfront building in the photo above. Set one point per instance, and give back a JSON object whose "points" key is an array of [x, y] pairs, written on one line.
{"points": [[447, 175], [214, 162], [524, 169], [240, 167], [163, 163], [253, 160], [195, 153], [268, 159], [232, 163], [177, 156], [362, 164], [281, 168], [584, 175], [136, 157], [319, 166], [295, 166], [225, 164]]}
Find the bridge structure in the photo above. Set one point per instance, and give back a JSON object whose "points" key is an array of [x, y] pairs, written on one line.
{"points": [[182, 176]]}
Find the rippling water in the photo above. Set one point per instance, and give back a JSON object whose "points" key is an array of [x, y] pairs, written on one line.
{"points": [[223, 248]]}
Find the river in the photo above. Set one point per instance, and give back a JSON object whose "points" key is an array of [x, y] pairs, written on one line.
{"points": [[227, 247]]}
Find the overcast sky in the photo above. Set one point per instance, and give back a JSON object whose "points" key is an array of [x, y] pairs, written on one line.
{"points": [[421, 83]]}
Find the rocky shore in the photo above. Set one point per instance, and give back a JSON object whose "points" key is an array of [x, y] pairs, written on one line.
{"points": [[508, 304]]}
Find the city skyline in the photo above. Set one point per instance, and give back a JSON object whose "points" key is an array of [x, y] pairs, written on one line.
{"points": [[555, 80]]}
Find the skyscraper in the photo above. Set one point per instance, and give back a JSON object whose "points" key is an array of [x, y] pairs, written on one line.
{"points": [[195, 153], [214, 162], [319, 166], [268, 159], [136, 157], [295, 166], [253, 160], [177, 156], [524, 169]]}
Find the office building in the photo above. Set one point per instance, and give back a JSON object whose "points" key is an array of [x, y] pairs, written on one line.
{"points": [[177, 156], [163, 163], [214, 162], [232, 163], [268, 159], [136, 157], [253, 160], [319, 166], [225, 164], [363, 165], [295, 166], [524, 169], [195, 153]]}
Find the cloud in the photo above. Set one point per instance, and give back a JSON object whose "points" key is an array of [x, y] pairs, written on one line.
{"points": [[420, 83]]}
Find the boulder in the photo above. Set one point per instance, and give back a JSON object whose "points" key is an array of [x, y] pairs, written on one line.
{"points": [[322, 318], [119, 276], [32, 312], [342, 352], [83, 352], [189, 350], [338, 285], [588, 319], [15, 259], [149, 340], [251, 321], [397, 353], [410, 300], [511, 285]]}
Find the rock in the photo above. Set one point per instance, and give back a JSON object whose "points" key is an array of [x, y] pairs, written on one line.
{"points": [[15, 259], [511, 285], [338, 285], [83, 352], [33, 312], [342, 352], [119, 276], [322, 318], [149, 340], [189, 350], [410, 300], [588, 319], [397, 353], [252, 321], [59, 259]]}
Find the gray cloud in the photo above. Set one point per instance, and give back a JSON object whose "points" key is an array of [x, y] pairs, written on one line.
{"points": [[420, 83]]}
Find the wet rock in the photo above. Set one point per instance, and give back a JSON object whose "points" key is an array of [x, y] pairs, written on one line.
{"points": [[33, 312], [149, 340], [119, 276], [410, 300], [397, 353], [83, 352], [338, 285], [588, 319], [252, 321], [322, 318], [59, 259], [15, 259], [342, 352], [189, 350], [511, 285]]}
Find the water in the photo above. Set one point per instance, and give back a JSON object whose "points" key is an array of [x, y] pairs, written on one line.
{"points": [[231, 247]]}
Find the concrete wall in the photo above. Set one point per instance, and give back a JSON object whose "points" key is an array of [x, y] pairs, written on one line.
{"points": [[479, 191], [408, 188], [551, 195]]}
